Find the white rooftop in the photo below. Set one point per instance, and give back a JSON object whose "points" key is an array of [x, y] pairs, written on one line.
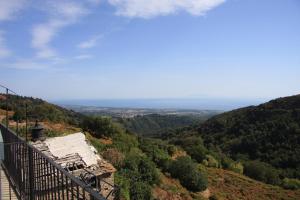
{"points": [[73, 144]]}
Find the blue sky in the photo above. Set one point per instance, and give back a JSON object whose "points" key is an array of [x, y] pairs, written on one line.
{"points": [[112, 49]]}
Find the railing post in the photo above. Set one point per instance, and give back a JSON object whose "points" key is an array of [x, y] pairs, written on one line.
{"points": [[31, 174], [26, 118], [6, 107]]}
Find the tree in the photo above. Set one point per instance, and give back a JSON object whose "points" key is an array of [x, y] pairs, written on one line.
{"points": [[98, 126], [140, 191], [188, 174], [262, 172]]}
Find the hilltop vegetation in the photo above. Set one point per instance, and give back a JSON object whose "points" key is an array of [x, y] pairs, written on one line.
{"points": [[269, 133], [155, 124], [150, 168], [262, 142], [38, 109]]}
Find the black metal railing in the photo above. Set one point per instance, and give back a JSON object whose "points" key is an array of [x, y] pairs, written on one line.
{"points": [[36, 176]]}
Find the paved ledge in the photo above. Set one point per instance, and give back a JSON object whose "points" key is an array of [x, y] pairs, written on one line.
{"points": [[6, 192]]}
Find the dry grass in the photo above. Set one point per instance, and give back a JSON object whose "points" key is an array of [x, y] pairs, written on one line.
{"points": [[170, 189], [229, 185]]}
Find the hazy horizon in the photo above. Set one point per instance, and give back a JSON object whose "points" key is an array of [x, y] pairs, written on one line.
{"points": [[224, 104]]}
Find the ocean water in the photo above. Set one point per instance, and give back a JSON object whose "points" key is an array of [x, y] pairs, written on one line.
{"points": [[201, 104]]}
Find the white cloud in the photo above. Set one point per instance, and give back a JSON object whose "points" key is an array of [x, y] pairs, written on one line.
{"points": [[153, 8], [89, 43], [4, 51], [25, 65], [83, 57], [61, 14], [94, 1], [8, 8]]}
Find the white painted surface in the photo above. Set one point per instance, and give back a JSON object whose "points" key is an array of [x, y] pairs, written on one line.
{"points": [[72, 144]]}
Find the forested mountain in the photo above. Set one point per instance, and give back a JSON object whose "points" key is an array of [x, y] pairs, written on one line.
{"points": [[269, 133], [156, 124], [38, 109]]}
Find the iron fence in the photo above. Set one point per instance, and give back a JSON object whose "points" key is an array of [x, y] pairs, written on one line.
{"points": [[35, 176]]}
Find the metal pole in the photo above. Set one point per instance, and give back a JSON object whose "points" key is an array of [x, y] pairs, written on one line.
{"points": [[6, 107], [26, 133], [31, 174], [17, 127]]}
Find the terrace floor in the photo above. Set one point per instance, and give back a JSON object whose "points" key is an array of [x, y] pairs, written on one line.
{"points": [[6, 192]]}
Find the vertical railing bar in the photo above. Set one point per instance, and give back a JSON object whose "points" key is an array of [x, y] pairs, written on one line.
{"points": [[62, 185], [83, 193], [39, 176], [52, 184], [24, 170], [44, 179], [72, 190], [67, 187], [47, 179], [53, 180], [77, 190], [58, 185]]}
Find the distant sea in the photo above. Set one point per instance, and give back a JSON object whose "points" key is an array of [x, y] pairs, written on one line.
{"points": [[199, 104]]}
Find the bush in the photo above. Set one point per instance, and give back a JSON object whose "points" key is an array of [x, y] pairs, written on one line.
{"points": [[171, 149], [228, 163], [140, 191], [115, 157], [143, 167], [236, 167], [291, 184], [124, 184], [189, 176], [148, 171], [124, 142], [262, 172], [99, 126], [210, 161]]}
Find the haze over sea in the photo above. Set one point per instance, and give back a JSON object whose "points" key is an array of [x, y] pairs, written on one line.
{"points": [[174, 103]]}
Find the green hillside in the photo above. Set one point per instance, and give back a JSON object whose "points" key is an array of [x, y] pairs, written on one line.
{"points": [[269, 132], [38, 109], [155, 124]]}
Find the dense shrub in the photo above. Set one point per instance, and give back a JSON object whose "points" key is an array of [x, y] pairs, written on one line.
{"points": [[292, 184], [188, 174], [124, 142], [194, 146], [124, 184], [171, 149], [148, 171], [140, 191], [210, 161], [236, 167], [114, 157], [156, 150], [197, 152], [144, 167], [262, 172], [229, 164], [98, 126]]}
